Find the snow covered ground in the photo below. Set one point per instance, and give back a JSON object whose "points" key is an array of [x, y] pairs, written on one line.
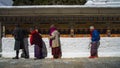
{"points": [[71, 47]]}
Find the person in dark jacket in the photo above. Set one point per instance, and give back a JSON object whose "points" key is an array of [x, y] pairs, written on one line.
{"points": [[95, 42], [19, 37], [36, 40]]}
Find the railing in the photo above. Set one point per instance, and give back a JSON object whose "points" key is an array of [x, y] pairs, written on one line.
{"points": [[76, 35]]}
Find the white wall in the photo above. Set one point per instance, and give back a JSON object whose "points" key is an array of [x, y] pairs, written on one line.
{"points": [[71, 47]]}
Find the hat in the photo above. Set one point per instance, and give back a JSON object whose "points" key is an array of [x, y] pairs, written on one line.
{"points": [[52, 26], [91, 27]]}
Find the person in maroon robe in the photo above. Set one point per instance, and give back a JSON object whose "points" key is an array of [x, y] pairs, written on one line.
{"points": [[36, 39], [55, 42]]}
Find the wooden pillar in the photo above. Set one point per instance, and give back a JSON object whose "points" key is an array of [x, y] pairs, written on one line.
{"points": [[0, 39]]}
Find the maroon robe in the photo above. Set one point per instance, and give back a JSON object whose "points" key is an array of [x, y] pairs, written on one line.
{"points": [[36, 39]]}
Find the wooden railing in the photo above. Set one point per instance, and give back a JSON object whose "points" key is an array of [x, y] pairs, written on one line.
{"points": [[76, 35]]}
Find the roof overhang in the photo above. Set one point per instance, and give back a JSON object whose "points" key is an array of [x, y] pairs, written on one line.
{"points": [[31, 14], [58, 10]]}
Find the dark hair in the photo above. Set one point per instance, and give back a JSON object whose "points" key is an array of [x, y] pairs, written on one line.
{"points": [[31, 29]]}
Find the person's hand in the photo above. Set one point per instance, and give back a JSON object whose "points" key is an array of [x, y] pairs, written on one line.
{"points": [[48, 37]]}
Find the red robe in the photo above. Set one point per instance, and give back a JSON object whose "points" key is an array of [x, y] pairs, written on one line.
{"points": [[36, 39]]}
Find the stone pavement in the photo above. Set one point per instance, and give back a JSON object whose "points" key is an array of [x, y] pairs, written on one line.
{"points": [[103, 62]]}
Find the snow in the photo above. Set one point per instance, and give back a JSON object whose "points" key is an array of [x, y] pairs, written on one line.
{"points": [[89, 3], [103, 2], [71, 47], [65, 6], [6, 2]]}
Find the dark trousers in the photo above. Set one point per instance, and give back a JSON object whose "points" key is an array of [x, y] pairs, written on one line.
{"points": [[24, 54], [94, 48], [25, 51], [17, 53]]}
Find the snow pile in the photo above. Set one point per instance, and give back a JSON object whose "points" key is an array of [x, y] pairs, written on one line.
{"points": [[71, 47], [103, 2], [6, 2]]}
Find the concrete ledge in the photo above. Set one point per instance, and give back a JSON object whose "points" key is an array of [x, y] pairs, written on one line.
{"points": [[105, 62]]}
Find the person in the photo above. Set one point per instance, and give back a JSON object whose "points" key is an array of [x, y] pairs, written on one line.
{"points": [[19, 43], [95, 42], [72, 32], [25, 44], [109, 33], [36, 39], [55, 42]]}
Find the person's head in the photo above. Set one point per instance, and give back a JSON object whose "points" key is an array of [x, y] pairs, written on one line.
{"points": [[92, 28], [36, 28], [32, 29], [52, 26]]}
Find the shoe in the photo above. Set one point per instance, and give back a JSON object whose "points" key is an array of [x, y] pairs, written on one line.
{"points": [[36, 58], [22, 55], [15, 58], [92, 57], [52, 58], [26, 57], [96, 56]]}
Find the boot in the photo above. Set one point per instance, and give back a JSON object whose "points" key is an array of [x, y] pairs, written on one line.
{"points": [[15, 57]]}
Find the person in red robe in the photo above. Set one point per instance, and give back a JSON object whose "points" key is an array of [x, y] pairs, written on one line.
{"points": [[36, 39]]}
